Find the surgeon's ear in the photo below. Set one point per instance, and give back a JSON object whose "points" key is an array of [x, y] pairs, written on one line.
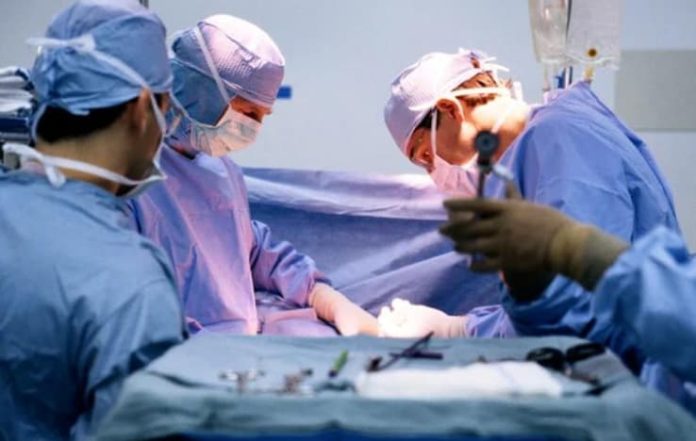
{"points": [[139, 111], [451, 108]]}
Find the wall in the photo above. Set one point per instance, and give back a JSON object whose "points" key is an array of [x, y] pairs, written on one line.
{"points": [[342, 56], [20, 20], [668, 25]]}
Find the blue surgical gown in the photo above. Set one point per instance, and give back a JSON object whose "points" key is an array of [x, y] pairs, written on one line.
{"points": [[200, 216], [578, 157], [84, 302], [650, 291]]}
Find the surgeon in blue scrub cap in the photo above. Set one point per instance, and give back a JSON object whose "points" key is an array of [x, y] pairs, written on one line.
{"points": [[85, 300], [647, 289], [571, 153], [227, 73]]}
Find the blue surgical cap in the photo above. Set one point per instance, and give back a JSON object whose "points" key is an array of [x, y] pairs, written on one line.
{"points": [[248, 61], [78, 81]]}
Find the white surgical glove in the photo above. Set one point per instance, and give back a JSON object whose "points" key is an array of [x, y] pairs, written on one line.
{"points": [[405, 320], [334, 307]]}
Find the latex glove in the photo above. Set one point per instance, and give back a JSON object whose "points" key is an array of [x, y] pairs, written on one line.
{"points": [[334, 307], [528, 241], [405, 320]]}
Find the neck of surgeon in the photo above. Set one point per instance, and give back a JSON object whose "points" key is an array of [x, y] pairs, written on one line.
{"points": [[103, 149], [125, 146]]}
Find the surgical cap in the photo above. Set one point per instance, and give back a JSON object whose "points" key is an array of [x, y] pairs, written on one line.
{"points": [[77, 81], [247, 59], [418, 88]]}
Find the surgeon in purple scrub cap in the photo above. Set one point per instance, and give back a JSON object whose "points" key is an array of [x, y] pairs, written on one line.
{"points": [[227, 73]]}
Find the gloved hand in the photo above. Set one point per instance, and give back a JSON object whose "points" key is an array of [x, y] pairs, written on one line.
{"points": [[334, 307], [528, 241], [511, 234], [405, 320]]}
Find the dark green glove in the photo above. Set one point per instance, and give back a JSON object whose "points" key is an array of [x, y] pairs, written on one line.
{"points": [[530, 243]]}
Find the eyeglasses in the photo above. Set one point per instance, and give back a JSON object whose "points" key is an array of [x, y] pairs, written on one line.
{"points": [[426, 124], [415, 146]]}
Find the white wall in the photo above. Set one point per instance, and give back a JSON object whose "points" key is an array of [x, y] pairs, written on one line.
{"points": [[342, 56], [668, 25], [19, 20]]}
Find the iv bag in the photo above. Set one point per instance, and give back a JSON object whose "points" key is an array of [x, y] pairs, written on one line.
{"points": [[594, 33], [569, 32], [549, 21]]}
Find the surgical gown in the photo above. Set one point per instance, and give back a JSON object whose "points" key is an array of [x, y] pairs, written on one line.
{"points": [[84, 302], [651, 292], [577, 156], [200, 216]]}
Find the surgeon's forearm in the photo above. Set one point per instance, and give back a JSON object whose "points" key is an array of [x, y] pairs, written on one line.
{"points": [[334, 307], [324, 300], [584, 253]]}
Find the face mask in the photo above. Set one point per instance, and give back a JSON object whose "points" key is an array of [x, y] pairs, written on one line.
{"points": [[234, 131], [461, 180], [52, 164], [455, 179]]}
